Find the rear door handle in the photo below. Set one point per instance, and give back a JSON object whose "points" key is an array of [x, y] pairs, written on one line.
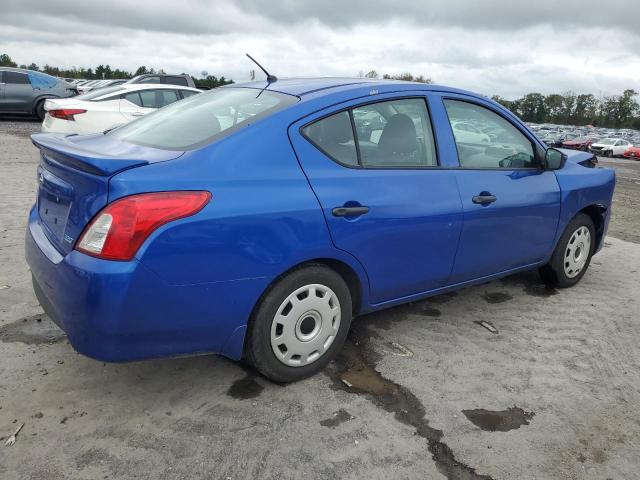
{"points": [[484, 199], [137, 114], [349, 211]]}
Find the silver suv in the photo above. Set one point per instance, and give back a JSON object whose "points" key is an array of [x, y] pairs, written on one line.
{"points": [[23, 92]]}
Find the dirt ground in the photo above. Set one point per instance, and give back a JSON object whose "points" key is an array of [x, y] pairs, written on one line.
{"points": [[549, 388]]}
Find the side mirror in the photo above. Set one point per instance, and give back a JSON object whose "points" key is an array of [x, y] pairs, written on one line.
{"points": [[554, 159]]}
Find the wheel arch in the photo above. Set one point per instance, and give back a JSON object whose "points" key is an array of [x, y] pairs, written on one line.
{"points": [[348, 273], [597, 213]]}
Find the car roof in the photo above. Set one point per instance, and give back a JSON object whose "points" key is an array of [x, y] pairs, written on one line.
{"points": [[155, 86], [301, 87]]}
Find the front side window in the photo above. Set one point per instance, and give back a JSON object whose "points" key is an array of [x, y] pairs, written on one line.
{"points": [[202, 118], [15, 78], [485, 139], [391, 134]]}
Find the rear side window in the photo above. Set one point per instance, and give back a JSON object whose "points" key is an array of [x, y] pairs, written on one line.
{"points": [[187, 93], [334, 136], [15, 78], [40, 80], [391, 134], [485, 139], [201, 119]]}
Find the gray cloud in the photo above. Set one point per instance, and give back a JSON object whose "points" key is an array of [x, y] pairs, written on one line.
{"points": [[493, 46]]}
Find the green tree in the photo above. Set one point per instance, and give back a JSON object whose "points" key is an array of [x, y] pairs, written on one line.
{"points": [[5, 61]]}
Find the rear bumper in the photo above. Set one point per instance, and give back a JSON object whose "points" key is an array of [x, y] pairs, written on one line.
{"points": [[122, 311]]}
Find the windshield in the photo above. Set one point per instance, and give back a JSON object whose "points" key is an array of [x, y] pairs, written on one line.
{"points": [[93, 94], [199, 119], [607, 141]]}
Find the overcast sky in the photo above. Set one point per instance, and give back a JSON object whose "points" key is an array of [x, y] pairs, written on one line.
{"points": [[492, 47]]}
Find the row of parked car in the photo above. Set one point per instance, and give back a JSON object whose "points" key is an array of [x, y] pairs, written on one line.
{"points": [[92, 105], [600, 141]]}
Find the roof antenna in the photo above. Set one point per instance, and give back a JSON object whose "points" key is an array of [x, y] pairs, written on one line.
{"points": [[270, 78]]}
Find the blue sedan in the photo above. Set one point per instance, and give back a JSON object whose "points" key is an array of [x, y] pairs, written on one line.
{"points": [[257, 220]]}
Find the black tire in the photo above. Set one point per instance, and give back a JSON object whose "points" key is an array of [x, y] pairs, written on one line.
{"points": [[553, 273], [39, 111], [258, 350], [610, 153]]}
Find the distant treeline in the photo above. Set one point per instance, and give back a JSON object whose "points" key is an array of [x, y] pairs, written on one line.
{"points": [[106, 72], [616, 111]]}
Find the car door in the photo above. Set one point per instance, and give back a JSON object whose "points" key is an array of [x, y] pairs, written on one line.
{"points": [[18, 93], [375, 172], [511, 205]]}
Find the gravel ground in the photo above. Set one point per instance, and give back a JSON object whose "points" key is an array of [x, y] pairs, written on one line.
{"points": [[553, 393]]}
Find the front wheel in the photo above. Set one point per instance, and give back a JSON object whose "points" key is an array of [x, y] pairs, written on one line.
{"points": [[572, 255], [300, 324], [610, 153]]}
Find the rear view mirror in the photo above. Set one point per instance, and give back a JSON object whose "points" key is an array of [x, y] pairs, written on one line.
{"points": [[554, 159]]}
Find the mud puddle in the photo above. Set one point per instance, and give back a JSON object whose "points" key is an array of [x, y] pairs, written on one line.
{"points": [[355, 372], [500, 420]]}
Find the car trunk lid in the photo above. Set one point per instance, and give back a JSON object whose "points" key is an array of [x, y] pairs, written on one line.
{"points": [[73, 179]]}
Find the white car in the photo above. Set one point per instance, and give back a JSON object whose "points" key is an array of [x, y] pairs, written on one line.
{"points": [[104, 109], [467, 133], [610, 147]]}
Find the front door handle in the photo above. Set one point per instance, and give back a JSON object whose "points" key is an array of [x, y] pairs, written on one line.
{"points": [[349, 211], [484, 199]]}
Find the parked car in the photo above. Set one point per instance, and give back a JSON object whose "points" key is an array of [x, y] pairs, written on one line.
{"points": [[633, 152], [610, 147], [252, 221], [90, 85], [182, 79], [23, 92], [579, 143], [465, 132], [106, 108], [106, 83]]}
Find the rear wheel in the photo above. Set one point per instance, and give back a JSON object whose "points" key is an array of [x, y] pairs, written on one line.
{"points": [[572, 255], [300, 324], [40, 110]]}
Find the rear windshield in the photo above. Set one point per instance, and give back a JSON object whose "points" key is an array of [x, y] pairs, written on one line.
{"points": [[200, 119], [100, 92]]}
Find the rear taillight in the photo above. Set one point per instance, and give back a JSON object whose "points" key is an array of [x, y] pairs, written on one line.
{"points": [[66, 113], [117, 232]]}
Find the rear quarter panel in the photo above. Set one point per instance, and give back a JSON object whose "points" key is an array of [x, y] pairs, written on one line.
{"points": [[262, 220]]}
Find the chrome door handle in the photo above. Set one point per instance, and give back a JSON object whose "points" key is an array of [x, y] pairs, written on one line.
{"points": [[484, 199], [349, 211]]}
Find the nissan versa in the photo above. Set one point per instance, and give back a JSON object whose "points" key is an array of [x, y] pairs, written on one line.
{"points": [[256, 220]]}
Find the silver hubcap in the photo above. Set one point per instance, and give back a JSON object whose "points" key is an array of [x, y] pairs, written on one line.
{"points": [[305, 325], [577, 252]]}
